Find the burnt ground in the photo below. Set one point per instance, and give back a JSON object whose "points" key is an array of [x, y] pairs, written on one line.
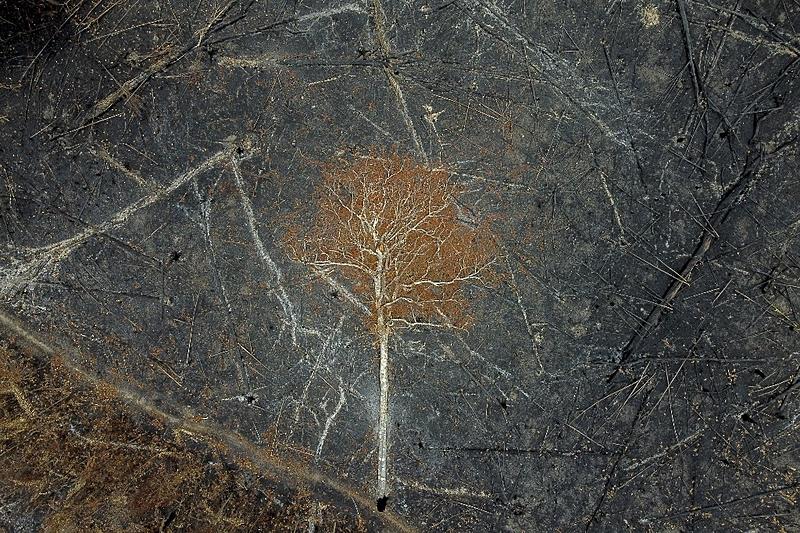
{"points": [[638, 368], [76, 457]]}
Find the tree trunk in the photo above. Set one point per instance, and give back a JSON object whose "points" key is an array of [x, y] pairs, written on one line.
{"points": [[383, 417]]}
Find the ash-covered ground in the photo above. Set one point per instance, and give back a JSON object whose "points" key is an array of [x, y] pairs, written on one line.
{"points": [[637, 367]]}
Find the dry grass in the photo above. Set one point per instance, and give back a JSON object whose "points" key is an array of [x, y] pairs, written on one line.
{"points": [[75, 458]]}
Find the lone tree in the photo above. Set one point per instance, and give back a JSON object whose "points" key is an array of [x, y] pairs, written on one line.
{"points": [[393, 229]]}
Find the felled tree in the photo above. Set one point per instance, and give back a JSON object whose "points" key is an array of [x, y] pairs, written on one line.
{"points": [[392, 228]]}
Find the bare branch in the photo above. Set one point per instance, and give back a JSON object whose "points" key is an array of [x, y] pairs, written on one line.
{"points": [[390, 227]]}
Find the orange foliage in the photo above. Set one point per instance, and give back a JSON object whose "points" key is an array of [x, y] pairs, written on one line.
{"points": [[392, 227]]}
